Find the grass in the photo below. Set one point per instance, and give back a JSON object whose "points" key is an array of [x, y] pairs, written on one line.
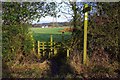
{"points": [[43, 34]]}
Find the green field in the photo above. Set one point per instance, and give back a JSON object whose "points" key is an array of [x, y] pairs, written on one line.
{"points": [[43, 34]]}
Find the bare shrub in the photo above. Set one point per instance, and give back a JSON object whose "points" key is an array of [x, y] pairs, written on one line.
{"points": [[98, 65]]}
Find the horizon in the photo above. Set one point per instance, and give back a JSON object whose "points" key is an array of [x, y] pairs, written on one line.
{"points": [[50, 22], [49, 19]]}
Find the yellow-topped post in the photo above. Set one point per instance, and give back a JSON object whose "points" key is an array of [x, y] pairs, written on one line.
{"points": [[85, 35]]}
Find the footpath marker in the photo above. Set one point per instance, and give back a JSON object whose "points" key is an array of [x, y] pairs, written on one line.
{"points": [[85, 11]]}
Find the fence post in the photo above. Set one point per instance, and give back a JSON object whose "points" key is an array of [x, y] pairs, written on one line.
{"points": [[51, 40], [68, 52], [43, 48], [33, 44], [39, 55], [62, 36], [55, 50], [33, 47]]}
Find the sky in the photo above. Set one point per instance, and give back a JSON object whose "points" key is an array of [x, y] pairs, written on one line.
{"points": [[49, 19], [63, 17]]}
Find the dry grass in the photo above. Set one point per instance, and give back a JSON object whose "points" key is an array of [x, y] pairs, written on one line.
{"points": [[34, 70], [75, 63]]}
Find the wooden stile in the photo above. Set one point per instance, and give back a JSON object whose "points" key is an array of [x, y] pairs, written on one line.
{"points": [[52, 47]]}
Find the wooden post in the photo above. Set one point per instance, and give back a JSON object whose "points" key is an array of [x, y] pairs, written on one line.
{"points": [[33, 44], [62, 36], [68, 53], [55, 50], [51, 44], [33, 47], [43, 48], [85, 35], [39, 49]]}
